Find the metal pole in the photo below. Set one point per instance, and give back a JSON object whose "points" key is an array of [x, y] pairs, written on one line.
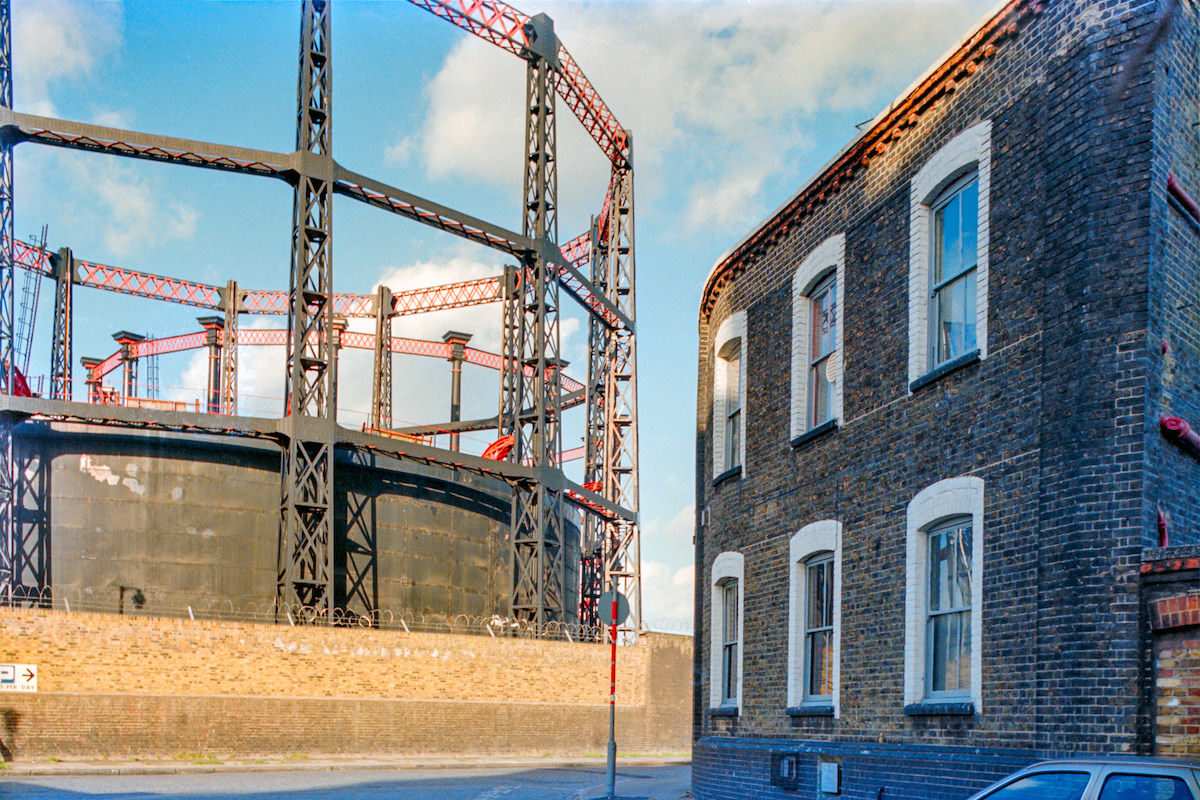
{"points": [[612, 701]]}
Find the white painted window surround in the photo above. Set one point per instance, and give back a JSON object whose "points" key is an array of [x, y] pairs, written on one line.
{"points": [[726, 566], [732, 330], [969, 151], [953, 497], [829, 255], [817, 537]]}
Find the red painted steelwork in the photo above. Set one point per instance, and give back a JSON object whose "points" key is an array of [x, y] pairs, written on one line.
{"points": [[499, 449], [504, 26], [277, 337], [143, 284], [201, 295]]}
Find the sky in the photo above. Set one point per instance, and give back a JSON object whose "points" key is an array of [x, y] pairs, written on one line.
{"points": [[733, 107]]}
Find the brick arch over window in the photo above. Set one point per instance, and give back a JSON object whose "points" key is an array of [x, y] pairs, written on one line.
{"points": [[960, 497], [968, 152], [829, 256], [817, 537], [728, 566], [731, 335]]}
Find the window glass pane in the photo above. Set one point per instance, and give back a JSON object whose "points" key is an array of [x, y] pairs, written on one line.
{"points": [[820, 660], [730, 612], [940, 555], [955, 309], [939, 635], [729, 684], [829, 593], [1045, 786], [822, 392], [947, 223], [733, 382], [970, 223], [733, 438], [964, 652], [953, 630], [1144, 787], [816, 595], [824, 320], [962, 571]]}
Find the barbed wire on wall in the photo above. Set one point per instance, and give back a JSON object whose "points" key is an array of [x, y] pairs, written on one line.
{"points": [[132, 602]]}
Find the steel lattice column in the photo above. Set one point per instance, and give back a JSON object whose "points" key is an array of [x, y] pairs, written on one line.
{"points": [[619, 477], [63, 263], [8, 533], [306, 509], [381, 387], [232, 305], [592, 570], [537, 511]]}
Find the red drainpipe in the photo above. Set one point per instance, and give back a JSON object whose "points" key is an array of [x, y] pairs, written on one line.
{"points": [[1180, 434], [1185, 200]]}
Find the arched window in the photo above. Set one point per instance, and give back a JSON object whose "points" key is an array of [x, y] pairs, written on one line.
{"points": [[815, 613], [818, 288], [729, 396], [948, 256], [944, 597], [725, 658]]}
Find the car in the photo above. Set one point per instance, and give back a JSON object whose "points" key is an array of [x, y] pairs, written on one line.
{"points": [[1109, 778]]}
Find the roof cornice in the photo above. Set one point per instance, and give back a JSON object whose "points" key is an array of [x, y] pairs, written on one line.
{"points": [[888, 127]]}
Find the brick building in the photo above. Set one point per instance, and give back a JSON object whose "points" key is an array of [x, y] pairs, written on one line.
{"points": [[933, 490]]}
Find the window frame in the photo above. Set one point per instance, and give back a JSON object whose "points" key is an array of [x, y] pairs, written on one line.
{"points": [[936, 207], [812, 540], [730, 339], [826, 286], [824, 562], [967, 154], [727, 569], [825, 260], [946, 501], [730, 641], [961, 612]]}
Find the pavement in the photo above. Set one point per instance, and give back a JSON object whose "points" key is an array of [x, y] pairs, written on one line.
{"points": [[186, 763], [654, 777]]}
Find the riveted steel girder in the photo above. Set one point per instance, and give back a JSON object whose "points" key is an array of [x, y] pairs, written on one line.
{"points": [[8, 532], [61, 350], [611, 464], [305, 585], [381, 388], [232, 305], [532, 333]]}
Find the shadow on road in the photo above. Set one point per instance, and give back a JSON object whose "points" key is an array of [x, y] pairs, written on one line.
{"points": [[662, 783]]}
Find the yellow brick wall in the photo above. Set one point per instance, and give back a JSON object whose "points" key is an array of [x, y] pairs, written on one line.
{"points": [[253, 687], [147, 655]]}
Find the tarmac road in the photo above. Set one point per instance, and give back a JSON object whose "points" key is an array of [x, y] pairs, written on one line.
{"points": [[562, 783]]}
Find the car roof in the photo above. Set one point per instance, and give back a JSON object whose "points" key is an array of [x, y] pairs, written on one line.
{"points": [[1117, 760]]}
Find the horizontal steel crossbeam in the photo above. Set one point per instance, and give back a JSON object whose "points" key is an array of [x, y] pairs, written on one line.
{"points": [[278, 430]]}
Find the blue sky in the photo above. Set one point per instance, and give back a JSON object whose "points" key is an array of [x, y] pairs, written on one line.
{"points": [[732, 106]]}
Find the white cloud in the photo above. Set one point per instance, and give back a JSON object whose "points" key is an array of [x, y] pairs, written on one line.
{"points": [[713, 204], [400, 151], [726, 89], [668, 595], [57, 40], [135, 216]]}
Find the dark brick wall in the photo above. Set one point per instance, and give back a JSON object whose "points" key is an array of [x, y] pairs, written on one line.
{"points": [[1057, 420]]}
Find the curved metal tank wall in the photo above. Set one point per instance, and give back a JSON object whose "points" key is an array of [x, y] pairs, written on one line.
{"points": [[152, 523]]}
